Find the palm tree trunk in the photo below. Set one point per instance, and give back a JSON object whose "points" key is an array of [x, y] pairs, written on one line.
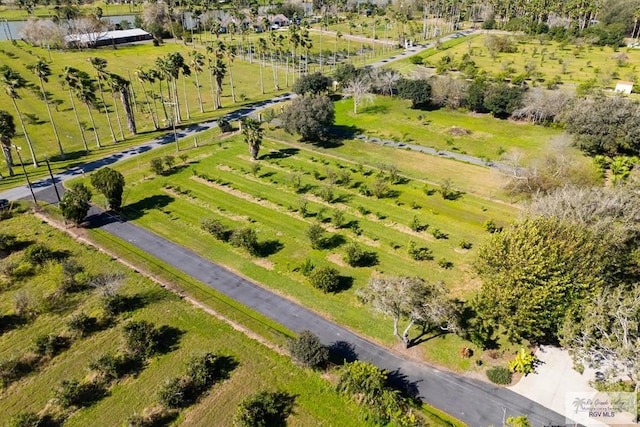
{"points": [[262, 74], [146, 99], [128, 112], [93, 125], [115, 107], [26, 135], [106, 112], [155, 107], [164, 107], [53, 125], [75, 112], [186, 100], [176, 100], [199, 93], [233, 91], [6, 150], [213, 91]]}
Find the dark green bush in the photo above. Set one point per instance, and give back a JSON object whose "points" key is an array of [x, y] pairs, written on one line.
{"points": [[419, 253], [245, 238], [499, 375], [50, 345], [79, 394], [216, 228], [115, 366], [307, 350], [13, 369], [264, 409], [141, 338], [157, 166], [38, 254], [327, 279]]}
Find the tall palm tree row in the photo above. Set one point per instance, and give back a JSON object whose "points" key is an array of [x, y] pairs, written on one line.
{"points": [[100, 66], [146, 77], [70, 81], [197, 62], [11, 82], [121, 86], [42, 71]]}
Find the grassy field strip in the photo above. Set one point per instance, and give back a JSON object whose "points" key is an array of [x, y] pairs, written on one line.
{"points": [[316, 402]]}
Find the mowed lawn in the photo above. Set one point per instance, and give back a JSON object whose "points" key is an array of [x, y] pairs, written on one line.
{"points": [[219, 182], [486, 137], [571, 64], [316, 403]]}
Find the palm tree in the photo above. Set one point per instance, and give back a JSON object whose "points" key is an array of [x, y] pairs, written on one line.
{"points": [[230, 54], [335, 52], [252, 132], [42, 71], [197, 61], [86, 92], [144, 77], [305, 42], [218, 70], [100, 65], [262, 48], [276, 43], [111, 85], [7, 132], [11, 82], [294, 40], [70, 81], [121, 86], [158, 74]]}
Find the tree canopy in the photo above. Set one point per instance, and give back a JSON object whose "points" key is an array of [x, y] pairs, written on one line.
{"points": [[110, 183], [310, 116], [75, 203], [315, 84]]}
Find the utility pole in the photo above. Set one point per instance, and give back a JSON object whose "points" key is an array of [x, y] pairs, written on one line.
{"points": [[24, 170], [53, 180]]}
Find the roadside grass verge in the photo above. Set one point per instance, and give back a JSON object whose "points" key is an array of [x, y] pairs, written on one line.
{"points": [[257, 366]]}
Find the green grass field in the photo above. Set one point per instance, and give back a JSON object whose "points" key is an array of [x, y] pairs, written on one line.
{"points": [[316, 402], [488, 137], [217, 182], [13, 13], [572, 64]]}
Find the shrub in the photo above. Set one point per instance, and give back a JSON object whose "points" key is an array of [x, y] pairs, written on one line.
{"points": [[215, 228], [499, 375], [327, 279], [355, 256], [115, 366], [169, 161], [7, 243], [152, 417], [141, 338], [416, 59], [306, 267], [524, 363], [25, 419], [491, 227], [13, 369], [79, 324], [464, 244], [315, 233], [416, 226], [264, 409], [307, 350], [245, 238], [38, 254], [338, 218], [326, 193], [175, 393], [444, 263], [225, 125], [419, 253], [157, 166], [49, 345], [439, 234], [80, 394], [380, 188], [114, 303]]}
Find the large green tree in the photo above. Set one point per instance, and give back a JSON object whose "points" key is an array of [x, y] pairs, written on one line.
{"points": [[76, 202], [110, 183], [310, 116], [537, 271]]}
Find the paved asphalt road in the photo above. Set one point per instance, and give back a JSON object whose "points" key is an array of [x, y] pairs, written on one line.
{"points": [[475, 403]]}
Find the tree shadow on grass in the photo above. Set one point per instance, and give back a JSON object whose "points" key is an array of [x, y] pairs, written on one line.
{"points": [[223, 366], [269, 247], [333, 241], [341, 352], [9, 322], [283, 153], [138, 209], [168, 339], [344, 283]]}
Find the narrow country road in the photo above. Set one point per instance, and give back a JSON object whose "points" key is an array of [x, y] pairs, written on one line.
{"points": [[476, 403]]}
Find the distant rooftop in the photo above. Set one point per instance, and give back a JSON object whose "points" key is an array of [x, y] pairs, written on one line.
{"points": [[106, 37]]}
